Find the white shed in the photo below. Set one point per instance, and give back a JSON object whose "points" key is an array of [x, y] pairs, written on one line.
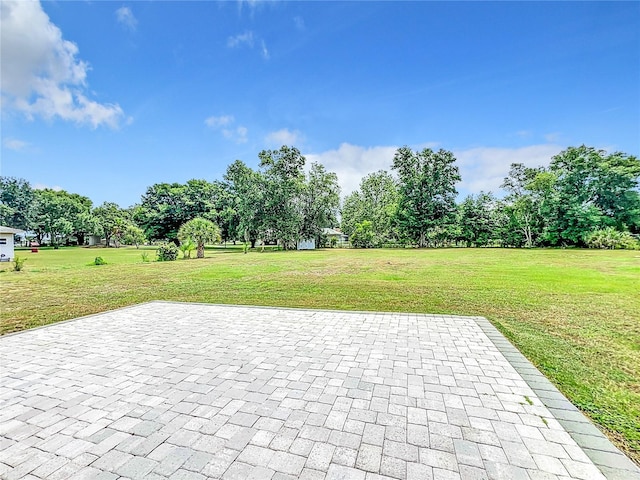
{"points": [[6, 242], [307, 244]]}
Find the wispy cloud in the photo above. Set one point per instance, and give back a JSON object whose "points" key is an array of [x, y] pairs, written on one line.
{"points": [[553, 137], [15, 144], [237, 134], [41, 74], [265, 52], [221, 121], [241, 39], [125, 17], [524, 133], [224, 124], [284, 136], [249, 40], [298, 21]]}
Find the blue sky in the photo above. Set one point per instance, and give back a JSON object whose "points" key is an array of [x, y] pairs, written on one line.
{"points": [[105, 99]]}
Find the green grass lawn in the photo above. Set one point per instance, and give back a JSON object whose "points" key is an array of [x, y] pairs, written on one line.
{"points": [[574, 313]]}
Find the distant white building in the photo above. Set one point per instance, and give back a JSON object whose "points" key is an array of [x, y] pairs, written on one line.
{"points": [[6, 242], [307, 244]]}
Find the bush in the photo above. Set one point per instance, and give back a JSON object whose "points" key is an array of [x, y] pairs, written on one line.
{"points": [[167, 252], [363, 236], [145, 257], [99, 261], [611, 239], [187, 247], [18, 263]]}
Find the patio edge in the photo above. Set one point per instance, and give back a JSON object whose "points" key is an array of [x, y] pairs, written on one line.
{"points": [[614, 464]]}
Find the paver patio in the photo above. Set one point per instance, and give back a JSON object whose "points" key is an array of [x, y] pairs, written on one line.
{"points": [[189, 391]]}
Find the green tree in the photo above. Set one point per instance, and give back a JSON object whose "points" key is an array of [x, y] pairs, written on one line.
{"points": [[17, 203], [244, 212], [283, 175], [165, 207], [59, 214], [363, 235], [426, 205], [199, 231], [376, 201], [320, 201], [528, 195], [134, 235], [112, 221], [477, 219], [593, 190]]}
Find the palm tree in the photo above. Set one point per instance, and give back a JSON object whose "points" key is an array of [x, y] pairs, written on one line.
{"points": [[200, 231]]}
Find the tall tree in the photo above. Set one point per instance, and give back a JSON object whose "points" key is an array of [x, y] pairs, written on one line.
{"points": [[320, 202], [165, 207], [593, 190], [376, 201], [283, 186], [17, 203], [426, 205], [478, 220], [59, 214], [245, 210], [524, 223], [112, 221]]}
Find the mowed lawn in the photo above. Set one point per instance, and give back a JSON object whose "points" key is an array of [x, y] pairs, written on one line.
{"points": [[574, 313]]}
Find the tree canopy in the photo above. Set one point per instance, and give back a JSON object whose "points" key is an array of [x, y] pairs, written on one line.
{"points": [[582, 198]]}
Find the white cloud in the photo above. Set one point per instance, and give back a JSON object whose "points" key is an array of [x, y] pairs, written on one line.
{"points": [[41, 74], [481, 168], [250, 40], [221, 121], [352, 162], [284, 137], [265, 52], [15, 144], [245, 38], [41, 186], [484, 168], [125, 17], [238, 134]]}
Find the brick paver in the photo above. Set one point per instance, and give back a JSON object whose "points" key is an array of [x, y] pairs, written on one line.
{"points": [[165, 390]]}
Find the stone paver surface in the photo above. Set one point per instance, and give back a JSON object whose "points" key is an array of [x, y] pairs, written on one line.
{"points": [[187, 391]]}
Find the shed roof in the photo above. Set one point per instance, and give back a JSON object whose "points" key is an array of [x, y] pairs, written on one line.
{"points": [[4, 229]]}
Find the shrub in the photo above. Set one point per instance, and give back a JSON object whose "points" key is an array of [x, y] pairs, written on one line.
{"points": [[611, 239], [145, 257], [18, 263], [187, 247], [167, 252], [99, 261]]}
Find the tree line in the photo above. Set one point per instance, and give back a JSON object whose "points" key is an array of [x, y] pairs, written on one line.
{"points": [[585, 197]]}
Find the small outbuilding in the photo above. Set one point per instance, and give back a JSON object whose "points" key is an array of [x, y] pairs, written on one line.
{"points": [[6, 242], [306, 244]]}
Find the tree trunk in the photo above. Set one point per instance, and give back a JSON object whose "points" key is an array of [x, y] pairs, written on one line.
{"points": [[422, 240], [200, 250]]}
